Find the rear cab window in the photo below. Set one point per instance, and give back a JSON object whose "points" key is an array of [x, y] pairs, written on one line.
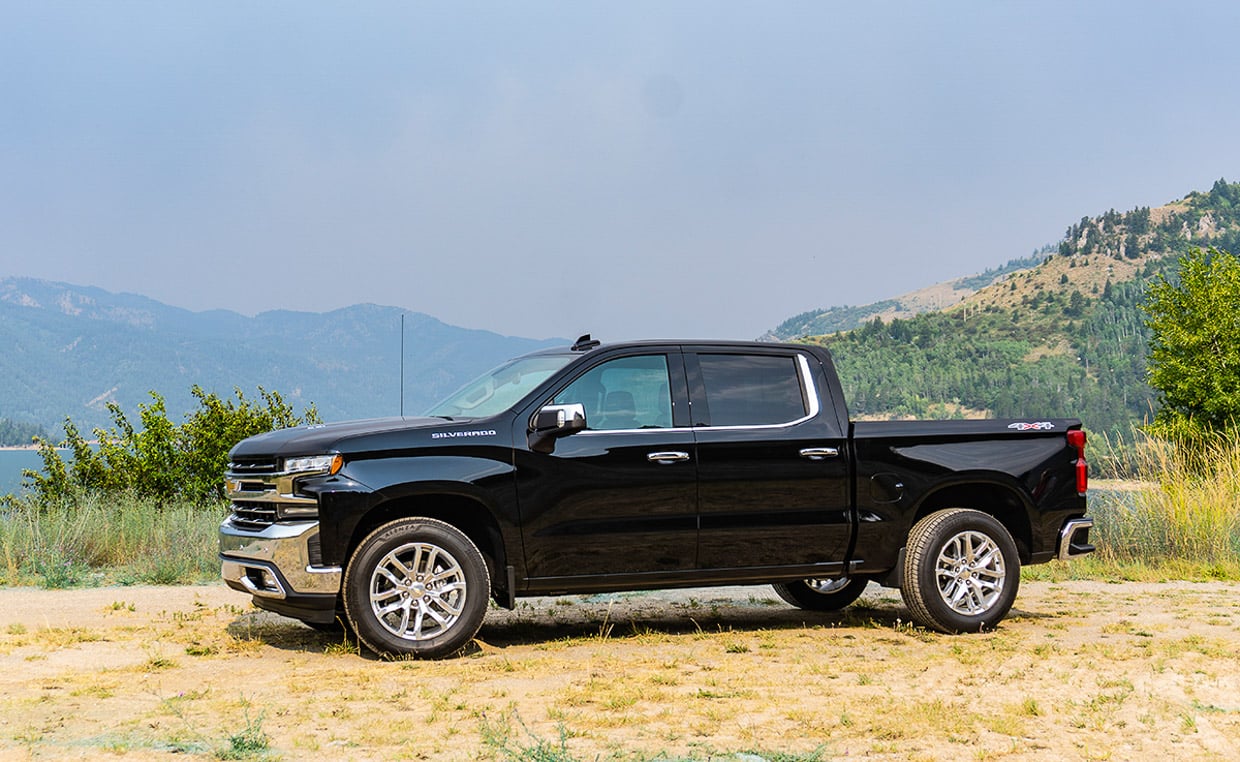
{"points": [[753, 390]]}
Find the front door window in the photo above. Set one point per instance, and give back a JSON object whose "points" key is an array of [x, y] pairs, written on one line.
{"points": [[623, 394]]}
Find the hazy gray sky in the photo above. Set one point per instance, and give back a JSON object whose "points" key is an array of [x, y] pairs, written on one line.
{"points": [[630, 169]]}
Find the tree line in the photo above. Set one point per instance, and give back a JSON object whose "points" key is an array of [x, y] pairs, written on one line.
{"points": [[18, 434]]}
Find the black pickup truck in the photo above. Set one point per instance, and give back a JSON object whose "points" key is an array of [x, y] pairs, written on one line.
{"points": [[645, 465]]}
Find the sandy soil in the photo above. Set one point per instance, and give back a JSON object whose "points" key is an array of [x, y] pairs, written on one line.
{"points": [[1081, 670]]}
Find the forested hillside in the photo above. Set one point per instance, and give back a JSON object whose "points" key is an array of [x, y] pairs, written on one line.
{"points": [[1065, 337], [935, 298]]}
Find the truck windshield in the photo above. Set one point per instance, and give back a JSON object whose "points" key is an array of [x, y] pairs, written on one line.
{"points": [[499, 389]]}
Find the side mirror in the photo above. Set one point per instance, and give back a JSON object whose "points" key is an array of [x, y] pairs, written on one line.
{"points": [[554, 421]]}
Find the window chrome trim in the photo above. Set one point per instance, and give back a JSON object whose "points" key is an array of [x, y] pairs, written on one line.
{"points": [[676, 430], [808, 388]]}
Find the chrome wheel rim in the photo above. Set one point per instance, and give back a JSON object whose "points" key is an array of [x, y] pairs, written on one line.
{"points": [[827, 586], [971, 573], [417, 591]]}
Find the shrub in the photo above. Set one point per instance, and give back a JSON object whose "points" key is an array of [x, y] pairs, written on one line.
{"points": [[159, 459]]}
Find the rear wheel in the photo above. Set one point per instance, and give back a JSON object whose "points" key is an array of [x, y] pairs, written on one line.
{"points": [[416, 587], [961, 571], [822, 594]]}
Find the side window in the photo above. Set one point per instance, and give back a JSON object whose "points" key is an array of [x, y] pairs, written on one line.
{"points": [[752, 390], [625, 393]]}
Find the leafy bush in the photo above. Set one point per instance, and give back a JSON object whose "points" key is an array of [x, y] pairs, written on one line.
{"points": [[158, 459]]}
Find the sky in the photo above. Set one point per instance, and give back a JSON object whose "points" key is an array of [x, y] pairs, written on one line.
{"points": [[628, 169]]}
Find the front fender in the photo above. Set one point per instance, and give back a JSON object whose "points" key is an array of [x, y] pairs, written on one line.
{"points": [[485, 481]]}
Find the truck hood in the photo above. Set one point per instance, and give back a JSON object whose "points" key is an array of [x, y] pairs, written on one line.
{"points": [[333, 437]]}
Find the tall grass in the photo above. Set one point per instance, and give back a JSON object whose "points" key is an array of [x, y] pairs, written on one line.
{"points": [[1179, 517], [108, 540]]}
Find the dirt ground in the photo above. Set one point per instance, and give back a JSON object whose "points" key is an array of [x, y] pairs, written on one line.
{"points": [[1080, 670]]}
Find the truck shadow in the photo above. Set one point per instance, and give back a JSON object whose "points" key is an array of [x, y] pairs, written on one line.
{"points": [[600, 623], [569, 619]]}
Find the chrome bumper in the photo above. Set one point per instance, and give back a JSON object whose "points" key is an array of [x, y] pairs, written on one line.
{"points": [[1074, 538], [275, 562]]}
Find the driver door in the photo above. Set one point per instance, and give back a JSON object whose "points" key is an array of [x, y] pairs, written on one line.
{"points": [[619, 498]]}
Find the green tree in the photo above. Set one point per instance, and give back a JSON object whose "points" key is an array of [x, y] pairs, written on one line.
{"points": [[211, 431], [1194, 360]]}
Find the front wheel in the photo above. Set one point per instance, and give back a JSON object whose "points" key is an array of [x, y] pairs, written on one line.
{"points": [[961, 571], [822, 594], [416, 587]]}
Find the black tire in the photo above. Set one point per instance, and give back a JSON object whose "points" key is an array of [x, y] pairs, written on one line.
{"points": [[822, 594], [961, 571], [416, 587]]}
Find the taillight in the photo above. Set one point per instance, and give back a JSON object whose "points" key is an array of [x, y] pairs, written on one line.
{"points": [[1076, 440]]}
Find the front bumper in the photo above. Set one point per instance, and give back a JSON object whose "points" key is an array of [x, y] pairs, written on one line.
{"points": [[276, 566]]}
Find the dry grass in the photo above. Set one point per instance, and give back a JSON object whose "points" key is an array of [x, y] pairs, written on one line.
{"points": [[1082, 670]]}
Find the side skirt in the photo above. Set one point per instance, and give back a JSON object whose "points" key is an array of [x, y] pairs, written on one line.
{"points": [[611, 583]]}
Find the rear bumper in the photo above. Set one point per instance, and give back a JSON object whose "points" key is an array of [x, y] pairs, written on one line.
{"points": [[276, 566], [1074, 538]]}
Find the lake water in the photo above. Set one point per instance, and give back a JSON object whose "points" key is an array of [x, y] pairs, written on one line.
{"points": [[12, 462]]}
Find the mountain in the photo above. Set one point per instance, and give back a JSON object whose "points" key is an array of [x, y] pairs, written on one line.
{"points": [[68, 350], [1064, 336]]}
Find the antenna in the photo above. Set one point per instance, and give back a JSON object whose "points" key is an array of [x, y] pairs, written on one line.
{"points": [[402, 365]]}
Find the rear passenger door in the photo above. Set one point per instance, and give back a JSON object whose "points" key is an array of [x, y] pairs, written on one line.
{"points": [[772, 464]]}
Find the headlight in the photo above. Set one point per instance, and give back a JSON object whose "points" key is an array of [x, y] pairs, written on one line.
{"points": [[327, 464]]}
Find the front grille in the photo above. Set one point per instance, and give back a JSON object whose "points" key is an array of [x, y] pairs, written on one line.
{"points": [[254, 466], [256, 516]]}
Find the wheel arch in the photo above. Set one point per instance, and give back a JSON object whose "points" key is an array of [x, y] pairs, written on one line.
{"points": [[464, 512], [1004, 502]]}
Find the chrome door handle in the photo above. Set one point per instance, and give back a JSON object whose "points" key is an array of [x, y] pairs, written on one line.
{"points": [[820, 453], [667, 457]]}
